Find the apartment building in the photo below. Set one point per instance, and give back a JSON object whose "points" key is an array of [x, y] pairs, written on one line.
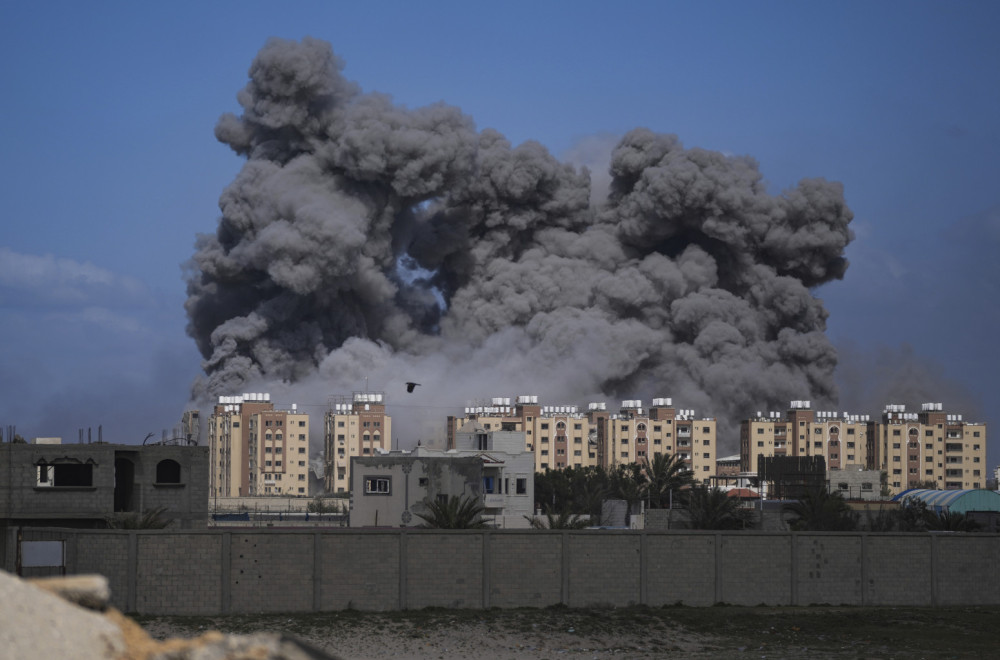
{"points": [[911, 448], [930, 446], [840, 438], [563, 436], [355, 425], [558, 436], [257, 449]]}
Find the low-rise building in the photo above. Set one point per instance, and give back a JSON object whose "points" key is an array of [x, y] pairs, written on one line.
{"points": [[82, 485], [491, 466]]}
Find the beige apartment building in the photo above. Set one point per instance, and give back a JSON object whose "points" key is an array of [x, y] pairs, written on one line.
{"points": [[563, 436], [354, 425], [257, 450], [840, 438], [930, 446], [913, 449]]}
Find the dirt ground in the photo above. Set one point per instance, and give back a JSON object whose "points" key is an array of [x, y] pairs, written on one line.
{"points": [[640, 632]]}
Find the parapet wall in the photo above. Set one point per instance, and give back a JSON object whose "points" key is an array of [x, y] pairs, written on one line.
{"points": [[230, 571]]}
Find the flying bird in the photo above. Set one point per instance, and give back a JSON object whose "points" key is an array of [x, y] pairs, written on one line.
{"points": [[410, 386]]}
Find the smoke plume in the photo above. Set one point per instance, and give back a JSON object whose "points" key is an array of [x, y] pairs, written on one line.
{"points": [[363, 239]]}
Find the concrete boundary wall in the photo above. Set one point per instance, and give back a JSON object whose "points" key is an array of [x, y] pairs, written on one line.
{"points": [[233, 571]]}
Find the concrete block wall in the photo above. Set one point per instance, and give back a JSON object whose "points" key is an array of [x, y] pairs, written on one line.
{"points": [[222, 571], [828, 569], [267, 570], [526, 569], [604, 570], [177, 573], [966, 569], [754, 569], [681, 569], [360, 571], [107, 554], [898, 569], [443, 569]]}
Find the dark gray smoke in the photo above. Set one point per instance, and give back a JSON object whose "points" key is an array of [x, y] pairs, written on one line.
{"points": [[363, 239]]}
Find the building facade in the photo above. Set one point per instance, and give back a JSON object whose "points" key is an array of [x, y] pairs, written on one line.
{"points": [[257, 450], [391, 487], [81, 485], [931, 448], [563, 436], [355, 426]]}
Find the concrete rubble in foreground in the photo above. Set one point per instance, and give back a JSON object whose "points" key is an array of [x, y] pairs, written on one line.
{"points": [[69, 617]]}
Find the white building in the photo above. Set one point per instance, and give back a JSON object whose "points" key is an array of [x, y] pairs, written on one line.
{"points": [[388, 489]]}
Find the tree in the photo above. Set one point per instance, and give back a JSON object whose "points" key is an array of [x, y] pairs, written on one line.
{"points": [[453, 513], [667, 478], [321, 505], [819, 510], [626, 482], [915, 516], [712, 508], [562, 520]]}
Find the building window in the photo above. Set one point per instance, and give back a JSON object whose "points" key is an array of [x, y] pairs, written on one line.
{"points": [[302, 423], [378, 485], [65, 475], [302, 477], [489, 485], [168, 472], [302, 490], [302, 450], [866, 486]]}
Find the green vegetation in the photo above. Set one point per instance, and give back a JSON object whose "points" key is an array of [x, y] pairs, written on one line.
{"points": [[581, 490], [711, 508], [563, 520], [819, 510], [453, 513], [152, 519]]}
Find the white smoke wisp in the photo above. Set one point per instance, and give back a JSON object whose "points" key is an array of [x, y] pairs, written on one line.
{"points": [[364, 240]]}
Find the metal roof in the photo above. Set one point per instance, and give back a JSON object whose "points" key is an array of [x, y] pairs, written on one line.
{"points": [[955, 501]]}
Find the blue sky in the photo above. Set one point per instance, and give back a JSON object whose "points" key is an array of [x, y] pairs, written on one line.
{"points": [[109, 166]]}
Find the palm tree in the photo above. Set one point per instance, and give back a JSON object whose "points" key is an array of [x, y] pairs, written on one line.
{"points": [[946, 521], [627, 482], [453, 513], [712, 508], [667, 477], [820, 510], [562, 520]]}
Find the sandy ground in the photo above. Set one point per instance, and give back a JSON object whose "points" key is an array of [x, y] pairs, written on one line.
{"points": [[469, 640]]}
